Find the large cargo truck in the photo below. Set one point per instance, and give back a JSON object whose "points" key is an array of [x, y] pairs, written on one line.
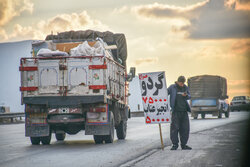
{"points": [[76, 81], [208, 96]]}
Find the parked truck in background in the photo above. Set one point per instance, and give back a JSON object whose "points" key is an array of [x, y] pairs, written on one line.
{"points": [[208, 96], [67, 88]]}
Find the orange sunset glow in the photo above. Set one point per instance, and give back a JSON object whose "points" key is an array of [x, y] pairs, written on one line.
{"points": [[179, 37]]}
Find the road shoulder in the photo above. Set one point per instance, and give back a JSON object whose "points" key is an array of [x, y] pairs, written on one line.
{"points": [[220, 146]]}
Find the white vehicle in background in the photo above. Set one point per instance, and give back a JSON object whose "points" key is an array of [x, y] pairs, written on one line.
{"points": [[240, 103]]}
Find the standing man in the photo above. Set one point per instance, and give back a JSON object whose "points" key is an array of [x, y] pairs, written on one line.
{"points": [[179, 94]]}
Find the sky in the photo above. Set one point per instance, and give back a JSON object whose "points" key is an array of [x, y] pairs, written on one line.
{"points": [[180, 37]]}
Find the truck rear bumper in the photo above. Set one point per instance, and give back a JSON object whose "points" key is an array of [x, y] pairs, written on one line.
{"points": [[53, 101], [65, 118], [65, 121], [204, 109]]}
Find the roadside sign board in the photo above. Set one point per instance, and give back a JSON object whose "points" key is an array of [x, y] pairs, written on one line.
{"points": [[155, 97]]}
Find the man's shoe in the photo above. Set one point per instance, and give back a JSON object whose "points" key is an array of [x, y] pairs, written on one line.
{"points": [[174, 147], [186, 147]]}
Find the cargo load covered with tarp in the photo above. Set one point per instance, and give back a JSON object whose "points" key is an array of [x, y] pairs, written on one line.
{"points": [[118, 39], [208, 86]]}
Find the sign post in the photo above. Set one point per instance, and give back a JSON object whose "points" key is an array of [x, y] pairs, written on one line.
{"points": [[155, 99], [162, 145]]}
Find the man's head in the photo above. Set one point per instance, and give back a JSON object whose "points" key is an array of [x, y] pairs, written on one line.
{"points": [[181, 80]]}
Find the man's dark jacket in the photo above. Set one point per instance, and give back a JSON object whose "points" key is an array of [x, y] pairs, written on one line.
{"points": [[172, 91]]}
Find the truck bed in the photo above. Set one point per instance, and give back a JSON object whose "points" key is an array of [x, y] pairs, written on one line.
{"points": [[72, 80], [208, 86]]}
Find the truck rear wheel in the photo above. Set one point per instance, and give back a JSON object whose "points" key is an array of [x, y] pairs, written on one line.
{"points": [[121, 130], [98, 139], [35, 140], [60, 136], [46, 139], [110, 138], [203, 115]]}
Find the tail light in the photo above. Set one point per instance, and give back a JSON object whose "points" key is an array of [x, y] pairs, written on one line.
{"points": [[97, 114], [97, 109], [93, 115]]}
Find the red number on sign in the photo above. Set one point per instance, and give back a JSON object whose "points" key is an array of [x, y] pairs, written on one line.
{"points": [[145, 99], [151, 101], [148, 120]]}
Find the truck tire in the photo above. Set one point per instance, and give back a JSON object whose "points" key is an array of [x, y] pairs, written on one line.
{"points": [[98, 139], [195, 117], [121, 130], [46, 140], [60, 136], [110, 138], [35, 140], [203, 115]]}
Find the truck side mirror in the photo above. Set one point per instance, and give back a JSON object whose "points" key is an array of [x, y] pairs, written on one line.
{"points": [[131, 74], [132, 71]]}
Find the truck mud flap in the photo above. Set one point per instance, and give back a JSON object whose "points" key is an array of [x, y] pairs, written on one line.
{"points": [[37, 131], [103, 129]]}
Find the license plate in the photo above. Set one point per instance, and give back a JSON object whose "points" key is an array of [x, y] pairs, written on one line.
{"points": [[36, 118], [37, 115], [204, 108], [63, 110]]}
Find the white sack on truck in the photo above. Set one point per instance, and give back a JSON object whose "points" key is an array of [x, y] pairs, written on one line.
{"points": [[110, 38], [49, 53], [85, 49], [82, 50]]}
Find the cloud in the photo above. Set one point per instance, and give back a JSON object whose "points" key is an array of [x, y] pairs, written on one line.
{"points": [[65, 22], [211, 19], [240, 91], [157, 10], [239, 87], [59, 23], [239, 4], [239, 83], [12, 8], [123, 9], [241, 47], [3, 34], [146, 61]]}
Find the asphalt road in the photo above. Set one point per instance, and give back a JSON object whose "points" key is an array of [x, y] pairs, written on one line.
{"points": [[80, 150], [223, 146]]}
